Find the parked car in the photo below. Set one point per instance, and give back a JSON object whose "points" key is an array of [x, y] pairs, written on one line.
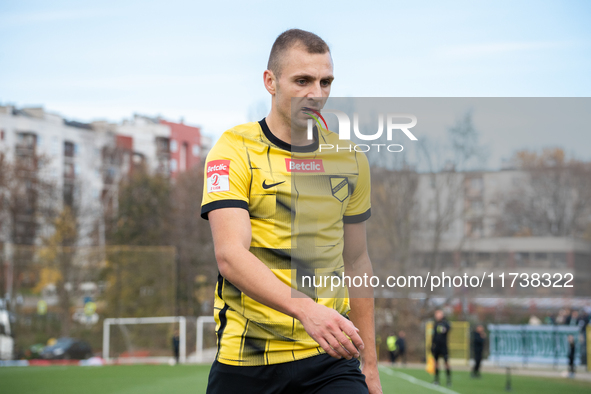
{"points": [[66, 349]]}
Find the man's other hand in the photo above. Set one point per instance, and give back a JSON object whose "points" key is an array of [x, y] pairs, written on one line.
{"points": [[327, 327]]}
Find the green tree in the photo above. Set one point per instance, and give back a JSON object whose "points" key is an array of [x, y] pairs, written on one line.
{"points": [[197, 269], [140, 271], [144, 211]]}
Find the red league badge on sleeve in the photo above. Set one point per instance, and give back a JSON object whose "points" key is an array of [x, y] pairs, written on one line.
{"points": [[218, 176]]}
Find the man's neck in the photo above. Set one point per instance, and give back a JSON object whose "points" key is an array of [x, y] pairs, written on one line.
{"points": [[282, 129]]}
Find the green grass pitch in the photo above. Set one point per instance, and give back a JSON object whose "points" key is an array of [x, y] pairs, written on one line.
{"points": [[181, 379]]}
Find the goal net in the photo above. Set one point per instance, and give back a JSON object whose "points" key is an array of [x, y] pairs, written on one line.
{"points": [[150, 340], [458, 342]]}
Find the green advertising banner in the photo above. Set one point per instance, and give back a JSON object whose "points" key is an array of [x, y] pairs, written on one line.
{"points": [[534, 344]]}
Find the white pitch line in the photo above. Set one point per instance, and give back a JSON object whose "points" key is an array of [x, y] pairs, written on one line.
{"points": [[414, 380]]}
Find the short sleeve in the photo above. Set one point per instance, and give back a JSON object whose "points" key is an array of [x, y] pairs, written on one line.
{"points": [[226, 175], [359, 207]]}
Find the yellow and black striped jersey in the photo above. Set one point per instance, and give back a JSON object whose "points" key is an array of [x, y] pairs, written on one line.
{"points": [[298, 199]]}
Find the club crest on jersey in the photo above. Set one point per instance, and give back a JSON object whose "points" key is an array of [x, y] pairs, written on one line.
{"points": [[218, 176], [340, 187], [304, 165]]}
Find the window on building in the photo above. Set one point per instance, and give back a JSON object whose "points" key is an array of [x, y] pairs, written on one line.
{"points": [[474, 228], [173, 145], [69, 149], [164, 146], [183, 165], [483, 256], [69, 170], [541, 256], [26, 140], [522, 259], [477, 184], [476, 206], [558, 260], [196, 150], [55, 145], [138, 158], [447, 260], [68, 194], [474, 186], [467, 259]]}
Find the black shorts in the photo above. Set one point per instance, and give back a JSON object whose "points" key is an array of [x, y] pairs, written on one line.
{"points": [[439, 352], [318, 374]]}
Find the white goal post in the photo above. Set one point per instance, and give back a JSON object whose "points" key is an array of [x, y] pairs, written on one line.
{"points": [[200, 321], [181, 320], [147, 320]]}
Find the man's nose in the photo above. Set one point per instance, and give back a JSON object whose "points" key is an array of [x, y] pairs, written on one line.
{"points": [[315, 90]]}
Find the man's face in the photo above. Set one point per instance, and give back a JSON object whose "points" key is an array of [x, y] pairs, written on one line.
{"points": [[438, 315], [304, 75]]}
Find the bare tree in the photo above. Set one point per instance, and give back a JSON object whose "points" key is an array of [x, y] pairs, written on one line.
{"points": [[443, 204], [391, 235], [394, 221], [554, 200], [58, 253]]}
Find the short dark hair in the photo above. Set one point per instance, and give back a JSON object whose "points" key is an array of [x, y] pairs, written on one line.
{"points": [[292, 37]]}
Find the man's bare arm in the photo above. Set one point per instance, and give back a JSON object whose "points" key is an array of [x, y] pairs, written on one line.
{"points": [[232, 236], [357, 263]]}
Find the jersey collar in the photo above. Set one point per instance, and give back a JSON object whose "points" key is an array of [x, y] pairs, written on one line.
{"points": [[284, 145]]}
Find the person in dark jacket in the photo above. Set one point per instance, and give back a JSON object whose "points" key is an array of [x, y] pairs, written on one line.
{"points": [[478, 339], [401, 346], [175, 345], [441, 328], [571, 356], [573, 319]]}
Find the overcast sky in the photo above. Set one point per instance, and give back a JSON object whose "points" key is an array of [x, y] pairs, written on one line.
{"points": [[204, 60]]}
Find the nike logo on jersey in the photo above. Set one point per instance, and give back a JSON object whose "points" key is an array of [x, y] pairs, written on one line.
{"points": [[265, 186]]}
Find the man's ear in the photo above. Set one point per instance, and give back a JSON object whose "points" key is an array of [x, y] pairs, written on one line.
{"points": [[270, 82]]}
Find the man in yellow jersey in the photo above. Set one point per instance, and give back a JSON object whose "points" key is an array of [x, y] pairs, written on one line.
{"points": [[280, 209]]}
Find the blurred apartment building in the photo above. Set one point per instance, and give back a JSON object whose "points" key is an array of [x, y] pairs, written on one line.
{"points": [[86, 161], [475, 233]]}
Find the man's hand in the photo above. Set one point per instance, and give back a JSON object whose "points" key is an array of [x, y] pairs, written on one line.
{"points": [[327, 327], [372, 378]]}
